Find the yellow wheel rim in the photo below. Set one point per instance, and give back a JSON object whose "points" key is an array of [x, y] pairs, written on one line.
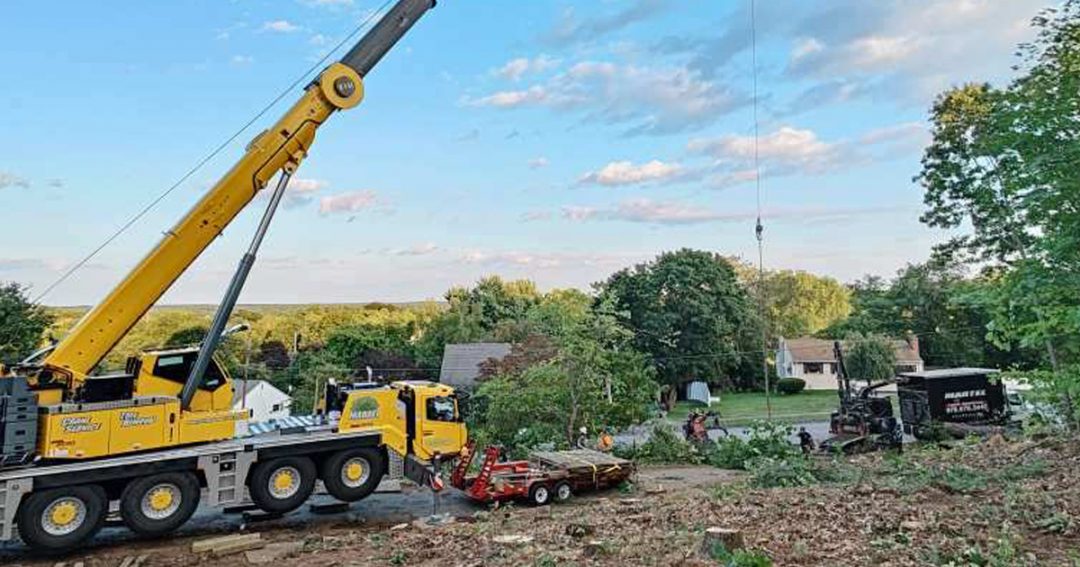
{"points": [[284, 482], [64, 514], [161, 499], [355, 472]]}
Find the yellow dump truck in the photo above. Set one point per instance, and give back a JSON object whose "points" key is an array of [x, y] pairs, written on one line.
{"points": [[153, 437]]}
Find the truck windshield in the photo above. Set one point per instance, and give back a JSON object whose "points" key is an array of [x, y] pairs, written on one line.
{"points": [[441, 409]]}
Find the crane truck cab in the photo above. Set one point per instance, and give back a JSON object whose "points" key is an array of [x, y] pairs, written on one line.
{"points": [[396, 430]]}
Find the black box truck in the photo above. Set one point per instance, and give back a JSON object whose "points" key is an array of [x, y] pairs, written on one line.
{"points": [[959, 400]]}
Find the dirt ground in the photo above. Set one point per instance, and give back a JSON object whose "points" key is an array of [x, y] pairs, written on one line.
{"points": [[995, 503]]}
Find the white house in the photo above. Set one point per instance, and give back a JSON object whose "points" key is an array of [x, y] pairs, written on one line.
{"points": [[813, 360], [261, 397]]}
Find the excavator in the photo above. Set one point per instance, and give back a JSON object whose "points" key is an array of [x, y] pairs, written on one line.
{"points": [[151, 439]]}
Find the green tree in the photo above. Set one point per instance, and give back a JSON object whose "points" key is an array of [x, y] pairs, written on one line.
{"points": [[799, 304], [492, 310], [22, 323], [870, 357], [592, 377], [1002, 165], [689, 312]]}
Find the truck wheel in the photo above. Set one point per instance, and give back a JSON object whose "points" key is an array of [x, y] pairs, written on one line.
{"points": [[539, 494], [563, 491], [61, 518], [353, 474], [282, 485], [159, 504]]}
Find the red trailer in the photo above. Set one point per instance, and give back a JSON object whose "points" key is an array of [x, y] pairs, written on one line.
{"points": [[545, 476]]}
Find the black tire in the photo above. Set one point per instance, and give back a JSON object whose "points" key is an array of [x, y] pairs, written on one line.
{"points": [[563, 491], [540, 494], [85, 505], [158, 504], [282, 498], [339, 473]]}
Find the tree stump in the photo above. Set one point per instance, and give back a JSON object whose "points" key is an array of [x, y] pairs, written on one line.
{"points": [[731, 540]]}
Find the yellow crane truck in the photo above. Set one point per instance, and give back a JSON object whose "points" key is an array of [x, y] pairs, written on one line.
{"points": [[150, 440]]}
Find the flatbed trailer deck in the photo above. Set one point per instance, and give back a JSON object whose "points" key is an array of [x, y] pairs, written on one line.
{"points": [[545, 476]]}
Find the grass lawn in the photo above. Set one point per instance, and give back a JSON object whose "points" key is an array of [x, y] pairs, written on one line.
{"points": [[744, 407]]}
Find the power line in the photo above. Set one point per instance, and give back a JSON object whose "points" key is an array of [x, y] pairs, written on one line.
{"points": [[217, 150]]}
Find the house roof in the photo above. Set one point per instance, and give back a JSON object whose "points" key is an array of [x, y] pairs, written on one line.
{"points": [[821, 350], [461, 362], [950, 373], [244, 387]]}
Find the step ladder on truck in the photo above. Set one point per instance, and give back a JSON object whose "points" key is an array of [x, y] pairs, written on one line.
{"points": [[152, 438]]}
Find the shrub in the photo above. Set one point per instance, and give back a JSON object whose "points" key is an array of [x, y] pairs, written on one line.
{"points": [[790, 385], [664, 446], [740, 558], [770, 472], [765, 440]]}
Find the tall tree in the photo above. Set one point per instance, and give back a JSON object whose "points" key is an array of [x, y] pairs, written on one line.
{"points": [[1002, 163], [870, 357], [689, 312], [22, 323], [800, 304]]}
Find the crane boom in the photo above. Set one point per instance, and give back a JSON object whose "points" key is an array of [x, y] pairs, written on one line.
{"points": [[279, 149]]}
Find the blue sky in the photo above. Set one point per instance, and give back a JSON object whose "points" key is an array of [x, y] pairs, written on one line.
{"points": [[555, 140]]}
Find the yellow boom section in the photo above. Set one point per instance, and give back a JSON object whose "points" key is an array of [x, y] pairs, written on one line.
{"points": [[282, 147]]}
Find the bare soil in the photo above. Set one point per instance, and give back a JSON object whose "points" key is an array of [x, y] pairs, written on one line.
{"points": [[995, 503]]}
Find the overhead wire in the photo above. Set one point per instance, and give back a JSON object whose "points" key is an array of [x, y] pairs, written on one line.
{"points": [[214, 153], [759, 228]]}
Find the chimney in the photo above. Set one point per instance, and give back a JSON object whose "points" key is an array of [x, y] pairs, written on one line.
{"points": [[913, 343]]}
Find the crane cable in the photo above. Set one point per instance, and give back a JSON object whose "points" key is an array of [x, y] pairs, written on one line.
{"points": [[217, 150], [759, 228]]}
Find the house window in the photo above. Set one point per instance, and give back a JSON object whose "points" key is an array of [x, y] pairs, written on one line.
{"points": [[813, 367], [276, 407]]}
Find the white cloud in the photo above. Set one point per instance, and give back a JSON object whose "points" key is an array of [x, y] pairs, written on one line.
{"points": [[319, 39], [539, 259], [805, 47], [539, 162], [511, 99], [571, 28], [418, 250], [648, 100], [336, 3], [674, 213], [242, 60], [348, 202], [628, 173], [797, 151], [11, 180], [280, 26], [536, 216], [787, 149], [517, 68]]}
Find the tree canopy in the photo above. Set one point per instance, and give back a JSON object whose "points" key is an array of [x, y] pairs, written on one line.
{"points": [[689, 312], [22, 324]]}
